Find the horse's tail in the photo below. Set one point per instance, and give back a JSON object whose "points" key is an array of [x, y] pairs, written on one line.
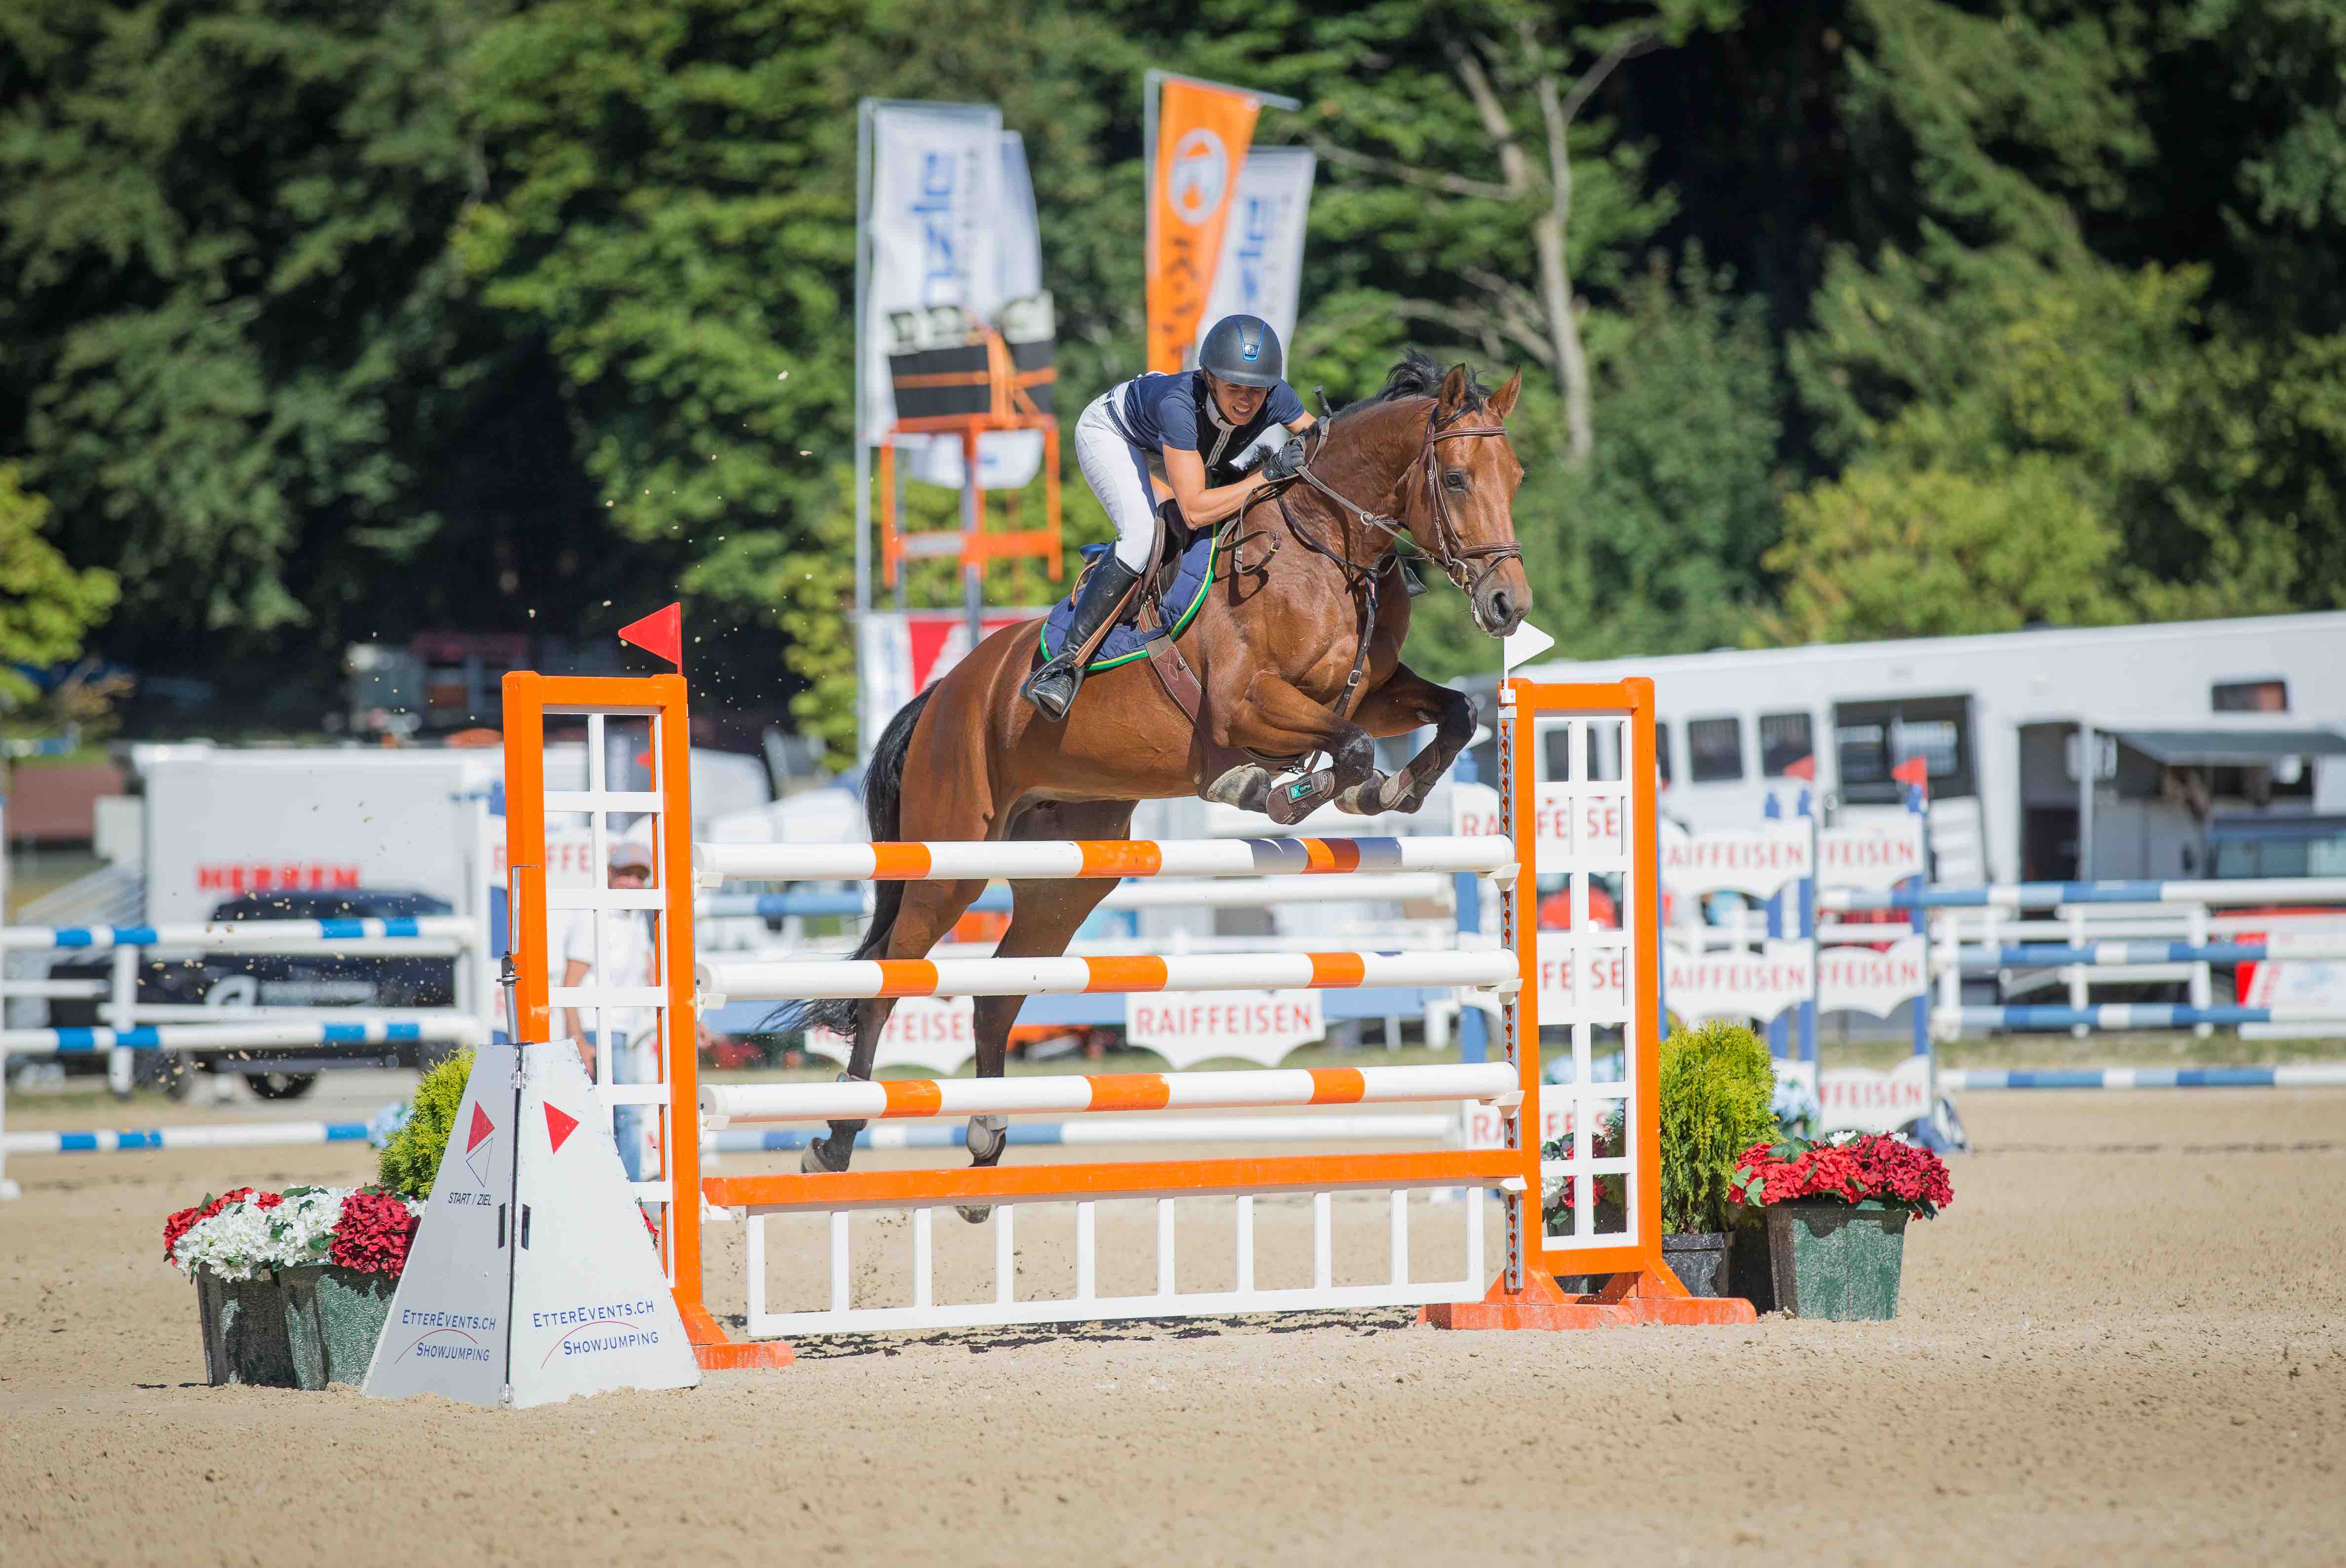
{"points": [[883, 789]]}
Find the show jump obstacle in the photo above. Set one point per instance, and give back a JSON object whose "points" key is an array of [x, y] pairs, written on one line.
{"points": [[1589, 989]]}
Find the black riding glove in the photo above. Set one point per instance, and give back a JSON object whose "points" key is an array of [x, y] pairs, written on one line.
{"points": [[1286, 462]]}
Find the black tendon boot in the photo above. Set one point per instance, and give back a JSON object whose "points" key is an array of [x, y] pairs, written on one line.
{"points": [[1053, 688]]}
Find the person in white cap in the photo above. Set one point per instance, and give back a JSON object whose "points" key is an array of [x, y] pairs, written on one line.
{"points": [[626, 959]]}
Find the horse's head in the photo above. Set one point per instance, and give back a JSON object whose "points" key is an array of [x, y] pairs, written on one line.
{"points": [[1463, 514]]}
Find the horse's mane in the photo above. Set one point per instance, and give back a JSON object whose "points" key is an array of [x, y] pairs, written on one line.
{"points": [[1417, 375]]}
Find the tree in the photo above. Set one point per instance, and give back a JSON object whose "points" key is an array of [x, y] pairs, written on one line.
{"points": [[1894, 553], [47, 607]]}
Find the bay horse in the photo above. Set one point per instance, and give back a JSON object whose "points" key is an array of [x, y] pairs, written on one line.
{"points": [[1291, 628]]}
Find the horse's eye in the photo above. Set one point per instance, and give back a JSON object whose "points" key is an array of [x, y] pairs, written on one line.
{"points": [[1454, 479]]}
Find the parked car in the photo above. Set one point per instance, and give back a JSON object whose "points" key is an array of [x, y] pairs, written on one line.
{"points": [[285, 979]]}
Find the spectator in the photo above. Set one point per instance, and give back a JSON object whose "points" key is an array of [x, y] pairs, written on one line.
{"points": [[626, 959]]}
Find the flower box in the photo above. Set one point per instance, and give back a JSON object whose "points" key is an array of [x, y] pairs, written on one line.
{"points": [[1835, 1260], [292, 1288], [1833, 1213], [1700, 1259], [298, 1327]]}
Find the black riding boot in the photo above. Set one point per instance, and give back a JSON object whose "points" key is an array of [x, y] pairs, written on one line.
{"points": [[1053, 688]]}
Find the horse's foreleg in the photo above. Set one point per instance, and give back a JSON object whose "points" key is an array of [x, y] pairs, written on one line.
{"points": [[1043, 920], [927, 913], [1278, 718], [1408, 701]]}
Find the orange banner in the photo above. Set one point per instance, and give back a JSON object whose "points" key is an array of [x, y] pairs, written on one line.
{"points": [[1202, 133]]}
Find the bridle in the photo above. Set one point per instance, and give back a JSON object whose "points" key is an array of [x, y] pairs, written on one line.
{"points": [[1455, 557]]}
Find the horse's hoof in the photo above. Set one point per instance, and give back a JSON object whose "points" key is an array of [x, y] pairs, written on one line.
{"points": [[974, 1215], [1366, 799], [987, 1138], [1246, 787], [816, 1159]]}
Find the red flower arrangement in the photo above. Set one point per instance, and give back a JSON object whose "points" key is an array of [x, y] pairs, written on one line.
{"points": [[373, 1234], [185, 1220], [1853, 1168], [1604, 1143]]}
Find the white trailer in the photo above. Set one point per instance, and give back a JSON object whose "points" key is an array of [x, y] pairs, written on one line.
{"points": [[2256, 703]]}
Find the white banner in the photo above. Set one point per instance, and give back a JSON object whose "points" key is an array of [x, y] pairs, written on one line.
{"points": [[903, 653], [1261, 269], [1861, 980], [1583, 979], [1254, 1025], [1873, 855], [951, 221], [1759, 863], [1737, 985], [938, 1032], [1568, 831], [1870, 1102]]}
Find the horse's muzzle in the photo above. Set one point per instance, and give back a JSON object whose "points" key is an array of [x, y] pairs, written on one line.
{"points": [[1502, 600]]}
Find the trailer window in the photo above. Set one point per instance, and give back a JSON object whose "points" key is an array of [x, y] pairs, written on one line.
{"points": [[2252, 696], [1662, 751], [1931, 739], [1714, 750], [1784, 739], [1863, 753]]}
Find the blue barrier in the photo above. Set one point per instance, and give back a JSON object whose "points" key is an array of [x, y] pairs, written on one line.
{"points": [[2132, 1016], [781, 906], [2048, 895], [2119, 952], [242, 1134], [2317, 1074]]}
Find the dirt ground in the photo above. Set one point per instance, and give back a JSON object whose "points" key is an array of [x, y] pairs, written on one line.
{"points": [[2125, 1342]]}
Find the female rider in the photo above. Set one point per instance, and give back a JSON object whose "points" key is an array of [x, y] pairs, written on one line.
{"points": [[1192, 436]]}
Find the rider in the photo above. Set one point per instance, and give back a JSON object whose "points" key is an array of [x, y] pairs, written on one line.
{"points": [[1191, 437]]}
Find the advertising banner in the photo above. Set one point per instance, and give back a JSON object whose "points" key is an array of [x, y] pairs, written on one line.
{"points": [[1253, 1026], [937, 1032], [1202, 132], [1737, 985], [1566, 827], [1758, 863], [950, 218], [1260, 271], [1873, 855], [904, 652], [1861, 979]]}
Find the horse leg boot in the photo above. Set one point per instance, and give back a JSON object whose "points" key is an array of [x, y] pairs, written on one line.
{"points": [[1276, 718], [1106, 587], [835, 1152]]}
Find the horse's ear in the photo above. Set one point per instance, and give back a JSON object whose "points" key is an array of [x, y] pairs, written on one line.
{"points": [[1502, 401], [1454, 391]]}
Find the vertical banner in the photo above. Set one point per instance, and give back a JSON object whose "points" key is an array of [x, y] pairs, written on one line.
{"points": [[951, 221], [1260, 272], [1202, 132]]}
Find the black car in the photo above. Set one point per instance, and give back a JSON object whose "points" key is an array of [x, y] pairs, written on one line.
{"points": [[286, 980]]}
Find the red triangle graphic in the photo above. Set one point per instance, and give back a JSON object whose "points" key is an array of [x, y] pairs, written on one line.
{"points": [[481, 1127], [558, 1127], [661, 632]]}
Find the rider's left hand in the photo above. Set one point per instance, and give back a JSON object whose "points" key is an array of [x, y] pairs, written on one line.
{"points": [[1286, 462]]}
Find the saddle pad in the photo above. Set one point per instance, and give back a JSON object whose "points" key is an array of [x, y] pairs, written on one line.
{"points": [[1192, 580]]}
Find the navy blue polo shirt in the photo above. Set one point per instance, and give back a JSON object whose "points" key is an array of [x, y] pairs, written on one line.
{"points": [[1175, 412]]}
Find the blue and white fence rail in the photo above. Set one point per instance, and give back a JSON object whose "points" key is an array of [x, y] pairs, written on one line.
{"points": [[450, 1028], [2309, 1075], [2053, 895]]}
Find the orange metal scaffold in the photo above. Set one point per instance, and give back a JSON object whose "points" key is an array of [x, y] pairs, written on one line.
{"points": [[1596, 821]]}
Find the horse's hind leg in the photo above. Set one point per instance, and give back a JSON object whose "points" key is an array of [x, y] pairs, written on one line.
{"points": [[1044, 919], [928, 911]]}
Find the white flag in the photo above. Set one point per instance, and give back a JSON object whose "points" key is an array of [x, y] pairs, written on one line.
{"points": [[950, 219], [1260, 272]]}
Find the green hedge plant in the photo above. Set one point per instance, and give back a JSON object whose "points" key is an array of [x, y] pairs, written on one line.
{"points": [[1717, 1084], [411, 1159]]}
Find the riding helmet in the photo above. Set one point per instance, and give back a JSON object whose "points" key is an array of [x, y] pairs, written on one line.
{"points": [[1243, 351]]}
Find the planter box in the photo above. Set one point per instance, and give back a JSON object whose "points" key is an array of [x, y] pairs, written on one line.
{"points": [[1700, 1261], [1836, 1261], [296, 1329]]}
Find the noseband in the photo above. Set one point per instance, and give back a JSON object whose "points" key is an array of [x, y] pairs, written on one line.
{"points": [[1455, 557]]}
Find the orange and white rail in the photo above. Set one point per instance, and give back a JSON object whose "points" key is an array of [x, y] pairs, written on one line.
{"points": [[852, 1100], [867, 977], [1075, 857]]}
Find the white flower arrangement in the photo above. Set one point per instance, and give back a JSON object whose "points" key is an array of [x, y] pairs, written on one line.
{"points": [[245, 1240]]}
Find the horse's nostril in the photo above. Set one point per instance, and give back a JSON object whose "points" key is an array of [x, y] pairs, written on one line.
{"points": [[1501, 608]]}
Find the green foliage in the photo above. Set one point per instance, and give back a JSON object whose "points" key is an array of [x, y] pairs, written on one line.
{"points": [[410, 1161], [46, 608], [1715, 1087]]}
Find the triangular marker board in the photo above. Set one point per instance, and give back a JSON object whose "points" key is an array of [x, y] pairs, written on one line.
{"points": [[1522, 646], [533, 1277]]}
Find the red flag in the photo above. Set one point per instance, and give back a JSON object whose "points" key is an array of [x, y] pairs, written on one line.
{"points": [[661, 632], [1805, 770], [1915, 770]]}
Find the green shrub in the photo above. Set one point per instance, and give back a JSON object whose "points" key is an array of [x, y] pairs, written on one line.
{"points": [[1717, 1084], [411, 1160]]}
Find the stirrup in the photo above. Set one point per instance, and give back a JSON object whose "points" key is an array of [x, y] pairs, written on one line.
{"points": [[1034, 687]]}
